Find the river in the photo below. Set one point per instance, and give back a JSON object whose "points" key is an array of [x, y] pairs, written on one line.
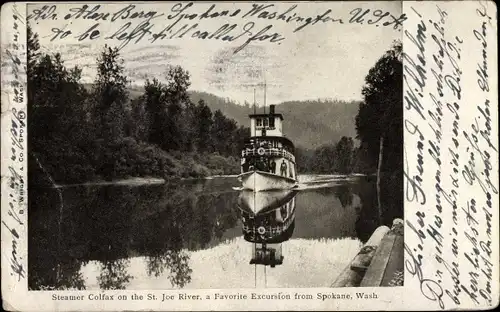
{"points": [[189, 234]]}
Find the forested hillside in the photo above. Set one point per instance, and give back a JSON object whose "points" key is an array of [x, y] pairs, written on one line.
{"points": [[309, 124], [323, 132], [108, 130]]}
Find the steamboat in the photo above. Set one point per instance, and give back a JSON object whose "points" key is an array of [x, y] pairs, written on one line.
{"points": [[267, 160]]}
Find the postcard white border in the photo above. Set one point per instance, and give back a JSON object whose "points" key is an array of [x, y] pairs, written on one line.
{"points": [[410, 297]]}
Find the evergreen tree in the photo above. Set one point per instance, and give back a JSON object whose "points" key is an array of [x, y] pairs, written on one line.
{"points": [[110, 96], [222, 133], [343, 155], [110, 93], [107, 134], [155, 106], [58, 127], [379, 123], [177, 83], [33, 52], [204, 117], [323, 159], [139, 119], [238, 142], [188, 125]]}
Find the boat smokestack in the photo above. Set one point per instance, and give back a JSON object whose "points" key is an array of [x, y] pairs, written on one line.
{"points": [[271, 109]]}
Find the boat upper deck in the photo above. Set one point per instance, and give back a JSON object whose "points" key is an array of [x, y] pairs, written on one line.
{"points": [[269, 146], [269, 141], [269, 152]]}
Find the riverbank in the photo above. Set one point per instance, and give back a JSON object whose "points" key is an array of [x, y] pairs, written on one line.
{"points": [[153, 167], [128, 182], [137, 181]]}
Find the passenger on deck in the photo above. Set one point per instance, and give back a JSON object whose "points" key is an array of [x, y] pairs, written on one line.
{"points": [[251, 164], [283, 168], [262, 164], [273, 167], [245, 165]]}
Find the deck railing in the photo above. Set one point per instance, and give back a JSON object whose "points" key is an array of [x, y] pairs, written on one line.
{"points": [[278, 152]]}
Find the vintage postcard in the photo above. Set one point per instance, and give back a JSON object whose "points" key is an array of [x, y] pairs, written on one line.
{"points": [[335, 155]]}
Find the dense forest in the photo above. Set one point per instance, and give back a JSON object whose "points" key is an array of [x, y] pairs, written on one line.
{"points": [[81, 133], [342, 157], [110, 130]]}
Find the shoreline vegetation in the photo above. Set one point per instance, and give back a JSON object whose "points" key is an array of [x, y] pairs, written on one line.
{"points": [[82, 133], [106, 131], [133, 181]]}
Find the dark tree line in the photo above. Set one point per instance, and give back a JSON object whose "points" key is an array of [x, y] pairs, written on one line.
{"points": [[80, 133], [379, 125]]}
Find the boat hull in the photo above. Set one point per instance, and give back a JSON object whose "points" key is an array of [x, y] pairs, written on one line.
{"points": [[263, 181], [261, 202]]}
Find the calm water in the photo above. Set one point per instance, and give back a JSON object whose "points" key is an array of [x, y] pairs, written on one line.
{"points": [[190, 235]]}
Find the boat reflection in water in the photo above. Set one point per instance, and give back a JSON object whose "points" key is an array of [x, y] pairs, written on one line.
{"points": [[268, 220]]}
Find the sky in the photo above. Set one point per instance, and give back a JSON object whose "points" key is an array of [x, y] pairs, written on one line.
{"points": [[325, 60]]}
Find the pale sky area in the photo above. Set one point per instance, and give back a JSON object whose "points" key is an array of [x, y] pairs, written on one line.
{"points": [[325, 60]]}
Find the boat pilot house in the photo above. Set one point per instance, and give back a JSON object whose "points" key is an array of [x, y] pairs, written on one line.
{"points": [[267, 150]]}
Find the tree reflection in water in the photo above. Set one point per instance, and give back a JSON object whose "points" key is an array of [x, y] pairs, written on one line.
{"points": [[367, 220], [177, 263], [49, 266], [391, 199], [112, 224], [344, 194], [114, 274], [190, 221], [160, 239]]}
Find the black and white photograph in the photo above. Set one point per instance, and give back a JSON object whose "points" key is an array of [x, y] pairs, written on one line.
{"points": [[192, 147], [249, 156]]}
